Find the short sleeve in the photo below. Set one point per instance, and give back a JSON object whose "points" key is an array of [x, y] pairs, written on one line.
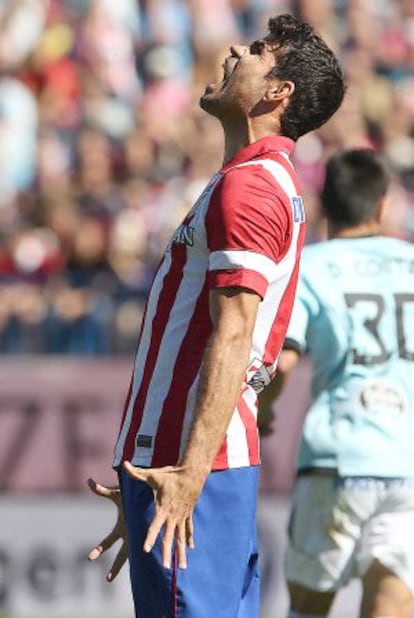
{"points": [[248, 225]]}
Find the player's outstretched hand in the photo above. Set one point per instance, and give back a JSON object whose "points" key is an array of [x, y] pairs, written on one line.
{"points": [[176, 490], [117, 533]]}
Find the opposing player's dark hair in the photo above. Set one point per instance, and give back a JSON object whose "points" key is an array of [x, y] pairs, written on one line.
{"points": [[356, 180], [305, 59]]}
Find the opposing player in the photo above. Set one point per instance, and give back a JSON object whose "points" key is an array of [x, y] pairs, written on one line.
{"points": [[353, 503], [215, 320]]}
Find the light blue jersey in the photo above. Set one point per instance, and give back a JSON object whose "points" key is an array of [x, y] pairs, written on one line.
{"points": [[354, 314]]}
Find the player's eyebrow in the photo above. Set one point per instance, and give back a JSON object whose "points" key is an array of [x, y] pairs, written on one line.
{"points": [[257, 47]]}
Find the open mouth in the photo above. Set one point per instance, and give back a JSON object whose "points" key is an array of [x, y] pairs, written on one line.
{"points": [[228, 67]]}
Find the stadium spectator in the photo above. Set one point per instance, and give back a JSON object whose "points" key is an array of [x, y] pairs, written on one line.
{"points": [[353, 502], [61, 83]]}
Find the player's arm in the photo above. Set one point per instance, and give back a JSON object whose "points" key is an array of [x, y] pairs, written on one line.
{"points": [[233, 313], [176, 488]]}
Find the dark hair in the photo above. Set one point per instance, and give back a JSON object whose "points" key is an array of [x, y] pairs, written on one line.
{"points": [[305, 59], [356, 180]]}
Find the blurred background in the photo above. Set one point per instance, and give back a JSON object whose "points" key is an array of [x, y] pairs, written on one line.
{"points": [[102, 150]]}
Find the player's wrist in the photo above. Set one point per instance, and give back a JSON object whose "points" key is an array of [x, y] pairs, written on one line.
{"points": [[197, 470]]}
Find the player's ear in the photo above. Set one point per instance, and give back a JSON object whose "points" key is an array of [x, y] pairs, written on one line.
{"points": [[279, 91]]}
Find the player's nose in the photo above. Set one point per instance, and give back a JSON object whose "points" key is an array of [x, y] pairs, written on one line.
{"points": [[237, 51]]}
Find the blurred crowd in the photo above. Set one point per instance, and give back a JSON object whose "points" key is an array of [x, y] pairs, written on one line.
{"points": [[103, 147]]}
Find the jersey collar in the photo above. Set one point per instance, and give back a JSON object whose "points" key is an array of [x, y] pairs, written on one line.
{"points": [[261, 147]]}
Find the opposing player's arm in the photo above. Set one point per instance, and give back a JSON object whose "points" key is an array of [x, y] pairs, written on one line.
{"points": [[306, 306], [288, 360]]}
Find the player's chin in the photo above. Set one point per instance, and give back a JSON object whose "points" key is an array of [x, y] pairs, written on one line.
{"points": [[208, 102], [214, 101]]}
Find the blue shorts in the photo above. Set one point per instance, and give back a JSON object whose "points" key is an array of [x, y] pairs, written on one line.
{"points": [[222, 576]]}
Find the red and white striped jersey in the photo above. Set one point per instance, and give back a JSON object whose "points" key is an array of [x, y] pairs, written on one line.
{"points": [[246, 229]]}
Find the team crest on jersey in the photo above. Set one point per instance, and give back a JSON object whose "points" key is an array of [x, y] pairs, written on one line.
{"points": [[184, 235], [257, 375], [298, 209]]}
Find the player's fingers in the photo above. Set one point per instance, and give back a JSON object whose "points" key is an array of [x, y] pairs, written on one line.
{"points": [[153, 531], [189, 532], [167, 544], [100, 490], [119, 562], [107, 542], [180, 545], [141, 474]]}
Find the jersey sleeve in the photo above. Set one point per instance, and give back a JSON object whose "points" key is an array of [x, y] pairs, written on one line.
{"points": [[305, 309], [248, 224]]}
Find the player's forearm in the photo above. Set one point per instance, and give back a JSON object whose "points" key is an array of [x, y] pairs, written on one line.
{"points": [[221, 380]]}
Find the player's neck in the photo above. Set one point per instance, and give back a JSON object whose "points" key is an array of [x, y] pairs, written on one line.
{"points": [[244, 133], [370, 228]]}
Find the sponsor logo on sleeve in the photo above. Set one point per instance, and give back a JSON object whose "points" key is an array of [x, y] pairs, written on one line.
{"points": [[257, 375], [298, 209]]}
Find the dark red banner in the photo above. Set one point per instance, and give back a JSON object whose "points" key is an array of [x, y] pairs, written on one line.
{"points": [[59, 419]]}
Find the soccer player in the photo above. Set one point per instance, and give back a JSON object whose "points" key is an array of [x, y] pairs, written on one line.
{"points": [[353, 502], [215, 320]]}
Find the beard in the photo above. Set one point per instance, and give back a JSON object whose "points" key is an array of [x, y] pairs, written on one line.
{"points": [[219, 102]]}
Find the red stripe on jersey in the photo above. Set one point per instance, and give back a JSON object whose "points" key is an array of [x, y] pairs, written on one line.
{"points": [[241, 277], [166, 298], [187, 365], [221, 461], [281, 321], [250, 424], [128, 397], [252, 440]]}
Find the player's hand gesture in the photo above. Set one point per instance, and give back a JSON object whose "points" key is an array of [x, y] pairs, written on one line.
{"points": [[118, 532], [176, 490]]}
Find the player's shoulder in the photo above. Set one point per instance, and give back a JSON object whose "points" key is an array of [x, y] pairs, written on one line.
{"points": [[316, 252], [263, 174], [319, 259], [245, 173], [396, 245], [251, 187], [338, 246]]}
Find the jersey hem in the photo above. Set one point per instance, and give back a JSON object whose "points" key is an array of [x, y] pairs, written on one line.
{"points": [[219, 464]]}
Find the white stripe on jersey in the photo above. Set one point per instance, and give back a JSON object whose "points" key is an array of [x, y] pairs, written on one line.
{"points": [[223, 260], [284, 268], [237, 447]]}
